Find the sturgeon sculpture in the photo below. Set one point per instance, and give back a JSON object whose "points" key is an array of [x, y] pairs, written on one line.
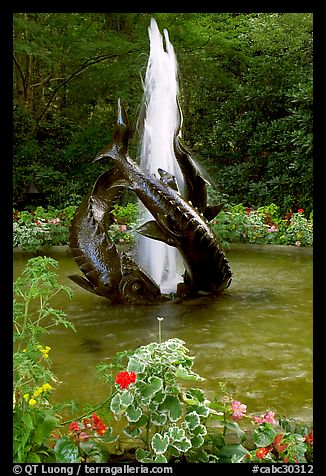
{"points": [[176, 222], [107, 272]]}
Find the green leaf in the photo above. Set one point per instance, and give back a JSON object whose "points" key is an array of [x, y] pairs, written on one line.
{"points": [[160, 443], [132, 431], [115, 405], [28, 420], [160, 459], [141, 422], [200, 430], [158, 397], [231, 452], [44, 429], [176, 434], [141, 454], [197, 441], [172, 406], [135, 365], [264, 435], [133, 413], [154, 385], [33, 458], [126, 398], [182, 445], [235, 427], [66, 451], [192, 420], [187, 374], [201, 409], [158, 419]]}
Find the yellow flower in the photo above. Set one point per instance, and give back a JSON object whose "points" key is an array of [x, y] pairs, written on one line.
{"points": [[45, 351], [38, 391], [46, 386], [24, 350], [26, 396], [32, 402]]}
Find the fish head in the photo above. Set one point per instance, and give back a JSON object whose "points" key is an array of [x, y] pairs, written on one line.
{"points": [[136, 287]]}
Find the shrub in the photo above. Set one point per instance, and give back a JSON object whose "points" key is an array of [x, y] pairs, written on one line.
{"points": [[264, 225]]}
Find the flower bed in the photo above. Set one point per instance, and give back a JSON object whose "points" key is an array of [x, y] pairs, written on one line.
{"points": [[263, 226], [35, 230]]}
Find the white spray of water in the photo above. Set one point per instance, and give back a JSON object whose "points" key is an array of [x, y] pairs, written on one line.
{"points": [[161, 261]]}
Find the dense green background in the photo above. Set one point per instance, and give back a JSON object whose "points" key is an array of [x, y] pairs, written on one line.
{"points": [[245, 91]]}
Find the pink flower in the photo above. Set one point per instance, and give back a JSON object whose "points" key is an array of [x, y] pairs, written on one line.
{"points": [[123, 227], [83, 436], [238, 410], [54, 220], [267, 418], [271, 229]]}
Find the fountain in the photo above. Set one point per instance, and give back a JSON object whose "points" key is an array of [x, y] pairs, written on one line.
{"points": [[176, 205], [160, 260]]}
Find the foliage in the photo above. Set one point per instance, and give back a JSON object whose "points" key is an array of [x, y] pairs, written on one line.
{"points": [[156, 409], [263, 226], [34, 230], [273, 440], [34, 416], [85, 442], [123, 229], [245, 92]]}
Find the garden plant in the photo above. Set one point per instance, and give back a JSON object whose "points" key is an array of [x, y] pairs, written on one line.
{"points": [[40, 228], [154, 395]]}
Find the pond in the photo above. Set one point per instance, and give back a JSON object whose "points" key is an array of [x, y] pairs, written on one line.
{"points": [[256, 337]]}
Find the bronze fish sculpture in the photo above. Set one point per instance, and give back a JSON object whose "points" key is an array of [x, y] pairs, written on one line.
{"points": [[176, 222], [108, 272]]}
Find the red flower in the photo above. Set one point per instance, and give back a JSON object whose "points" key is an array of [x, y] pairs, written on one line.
{"points": [[124, 379], [309, 438], [262, 452], [300, 210], [74, 426], [97, 424]]}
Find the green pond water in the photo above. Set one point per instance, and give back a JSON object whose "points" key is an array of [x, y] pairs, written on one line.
{"points": [[256, 337]]}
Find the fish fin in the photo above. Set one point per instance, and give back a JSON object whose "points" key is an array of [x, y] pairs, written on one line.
{"points": [[106, 191], [212, 211], [120, 137], [168, 179], [83, 283], [153, 231]]}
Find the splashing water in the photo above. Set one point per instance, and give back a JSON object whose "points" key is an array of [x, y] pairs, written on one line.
{"points": [[161, 261]]}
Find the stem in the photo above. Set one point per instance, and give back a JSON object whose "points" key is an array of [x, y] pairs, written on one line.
{"points": [[91, 411], [224, 421]]}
